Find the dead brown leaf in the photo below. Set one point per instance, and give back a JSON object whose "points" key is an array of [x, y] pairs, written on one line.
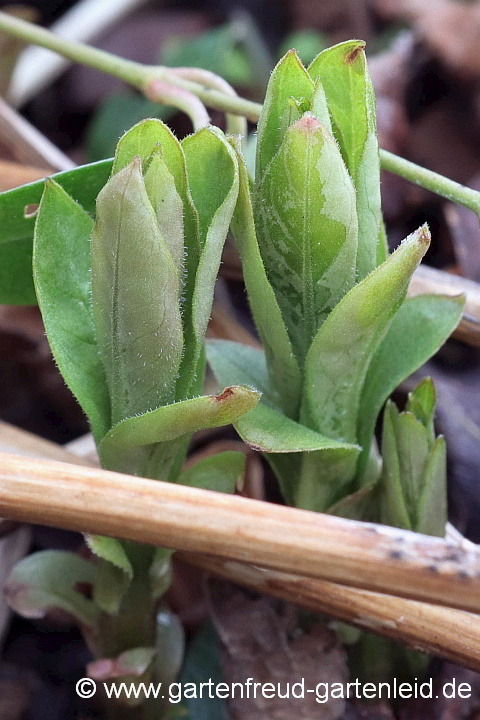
{"points": [[261, 640]]}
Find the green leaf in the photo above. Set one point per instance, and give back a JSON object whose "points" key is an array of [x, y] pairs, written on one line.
{"points": [[203, 663], [16, 235], [174, 421], [49, 579], [160, 573], [169, 646], [323, 478], [360, 505], [233, 363], [340, 355], [168, 207], [112, 551], [147, 139], [289, 94], [351, 101], [270, 431], [342, 70], [422, 402], [135, 297], [115, 575], [221, 472], [285, 378], [432, 506], [307, 228], [418, 330], [394, 507], [153, 141], [62, 273], [212, 172], [412, 450]]}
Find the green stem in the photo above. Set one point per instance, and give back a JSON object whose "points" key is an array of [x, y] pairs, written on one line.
{"points": [[145, 77], [127, 70], [430, 180]]}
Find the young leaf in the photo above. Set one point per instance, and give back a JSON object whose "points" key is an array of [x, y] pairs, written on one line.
{"points": [[307, 228], [351, 101], [148, 139], [221, 472], [16, 238], [48, 580], [168, 207], [289, 95], [136, 298], [285, 377], [142, 139], [16, 281], [174, 421], [111, 587], [432, 506], [412, 443], [129, 664], [61, 269], [343, 73], [321, 479], [270, 431], [110, 550], [115, 572], [394, 508], [203, 663], [152, 140], [422, 403], [341, 353], [234, 363], [212, 172], [405, 347]]}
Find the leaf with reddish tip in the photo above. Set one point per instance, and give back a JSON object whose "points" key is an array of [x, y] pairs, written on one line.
{"points": [[131, 663], [343, 72], [289, 95], [174, 422], [50, 579], [306, 226], [339, 357]]}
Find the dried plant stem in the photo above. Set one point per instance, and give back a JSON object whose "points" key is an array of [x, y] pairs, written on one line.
{"points": [[27, 143], [14, 174], [364, 555], [21, 442], [451, 634], [146, 77]]}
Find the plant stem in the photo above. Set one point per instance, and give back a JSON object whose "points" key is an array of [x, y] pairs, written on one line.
{"points": [[144, 76], [127, 70], [430, 180]]}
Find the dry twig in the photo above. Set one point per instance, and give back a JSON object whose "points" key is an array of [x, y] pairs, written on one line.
{"points": [[450, 633], [372, 557]]}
